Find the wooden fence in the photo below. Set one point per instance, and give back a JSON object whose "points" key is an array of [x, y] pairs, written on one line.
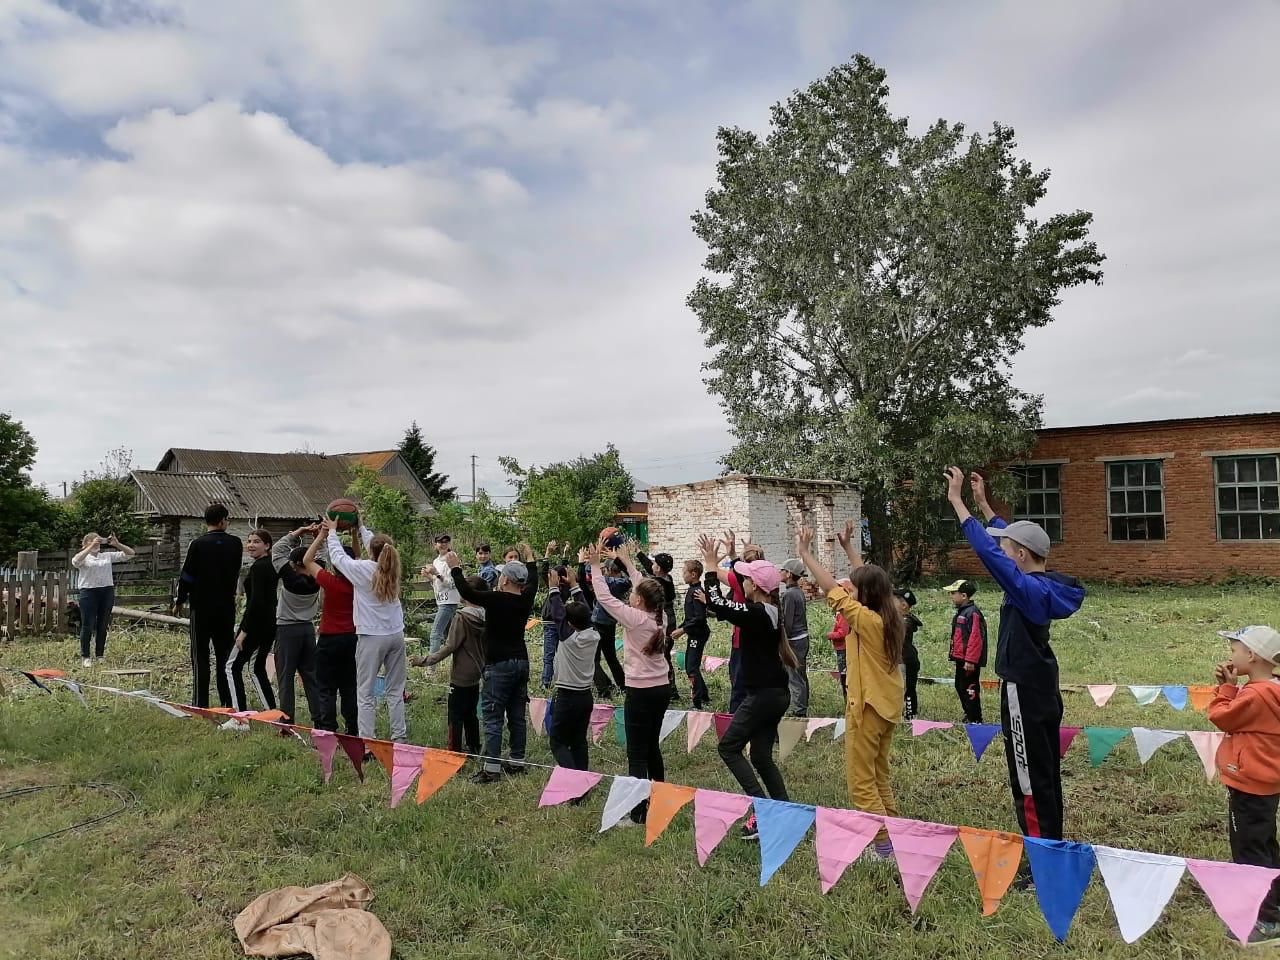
{"points": [[33, 602]]}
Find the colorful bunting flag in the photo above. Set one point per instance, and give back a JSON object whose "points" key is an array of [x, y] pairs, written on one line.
{"points": [[698, 724], [839, 839], [1235, 890], [1101, 692], [722, 721], [1102, 740], [1061, 870], [601, 714], [782, 826], [919, 849], [620, 725], [538, 714], [353, 747], [1177, 697], [1066, 737], [625, 794], [921, 727], [714, 813], [790, 730], [670, 722], [75, 688], [665, 801], [31, 675], [1140, 885], [712, 664], [980, 736], [679, 659], [815, 724], [994, 857], [838, 730], [1149, 741], [384, 752], [1145, 695], [438, 768], [1206, 743], [1200, 697], [326, 745], [565, 784], [406, 764]]}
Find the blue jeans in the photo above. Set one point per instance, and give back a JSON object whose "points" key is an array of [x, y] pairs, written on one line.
{"points": [[95, 614], [550, 641], [506, 692], [440, 629]]}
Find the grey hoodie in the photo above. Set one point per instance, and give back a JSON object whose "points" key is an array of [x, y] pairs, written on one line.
{"points": [[576, 660], [299, 600]]}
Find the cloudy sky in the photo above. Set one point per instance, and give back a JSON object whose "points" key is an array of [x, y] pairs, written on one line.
{"points": [[304, 223]]}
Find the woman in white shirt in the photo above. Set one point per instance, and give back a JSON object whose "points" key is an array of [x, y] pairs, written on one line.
{"points": [[97, 589]]}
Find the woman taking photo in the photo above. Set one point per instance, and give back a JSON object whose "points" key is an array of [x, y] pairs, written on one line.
{"points": [[97, 589]]}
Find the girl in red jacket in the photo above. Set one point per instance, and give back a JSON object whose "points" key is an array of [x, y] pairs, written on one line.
{"points": [[837, 637]]}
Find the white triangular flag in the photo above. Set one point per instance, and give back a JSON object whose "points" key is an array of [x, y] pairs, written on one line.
{"points": [[815, 724], [670, 721], [1101, 693], [1149, 741], [1140, 885], [624, 795], [1145, 695], [75, 688], [790, 730], [161, 705], [1206, 743], [838, 730]]}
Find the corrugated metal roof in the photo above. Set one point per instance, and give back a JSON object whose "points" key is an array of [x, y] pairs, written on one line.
{"points": [[246, 496]]}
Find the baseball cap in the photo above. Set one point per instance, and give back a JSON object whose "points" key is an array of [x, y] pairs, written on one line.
{"points": [[1026, 534], [515, 571], [795, 567], [967, 587], [444, 538], [760, 572], [1264, 641], [906, 595]]}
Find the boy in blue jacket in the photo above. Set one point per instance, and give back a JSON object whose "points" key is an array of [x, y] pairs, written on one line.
{"points": [[1030, 701]]}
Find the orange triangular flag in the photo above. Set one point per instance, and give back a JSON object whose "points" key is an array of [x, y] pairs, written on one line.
{"points": [[665, 801], [1200, 696], [438, 768], [994, 857], [268, 716], [532, 624], [48, 673], [384, 751]]}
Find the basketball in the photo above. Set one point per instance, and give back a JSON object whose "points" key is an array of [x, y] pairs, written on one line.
{"points": [[345, 512], [612, 537]]}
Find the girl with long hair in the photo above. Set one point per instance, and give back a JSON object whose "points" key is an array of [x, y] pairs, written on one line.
{"points": [[644, 664], [379, 622], [766, 655], [873, 655]]}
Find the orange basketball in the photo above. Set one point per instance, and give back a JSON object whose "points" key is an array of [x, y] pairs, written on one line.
{"points": [[612, 537], [345, 512]]}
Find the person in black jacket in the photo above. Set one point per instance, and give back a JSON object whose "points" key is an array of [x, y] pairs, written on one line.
{"points": [[910, 655], [257, 628], [208, 582], [696, 632]]}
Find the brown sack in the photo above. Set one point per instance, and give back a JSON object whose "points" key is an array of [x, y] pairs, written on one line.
{"points": [[328, 921]]}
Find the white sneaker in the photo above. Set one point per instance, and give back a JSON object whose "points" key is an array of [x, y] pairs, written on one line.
{"points": [[86, 662], [239, 726]]}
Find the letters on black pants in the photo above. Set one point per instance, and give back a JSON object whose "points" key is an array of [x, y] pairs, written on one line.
{"points": [[570, 720], [211, 626], [969, 690], [1252, 830], [336, 677], [1030, 720]]}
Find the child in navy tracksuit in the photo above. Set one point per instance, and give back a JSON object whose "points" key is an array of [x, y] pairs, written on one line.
{"points": [[968, 649], [696, 632]]}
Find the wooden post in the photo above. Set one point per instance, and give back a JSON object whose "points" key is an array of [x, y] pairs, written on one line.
{"points": [[8, 587], [23, 590], [28, 559], [59, 600]]}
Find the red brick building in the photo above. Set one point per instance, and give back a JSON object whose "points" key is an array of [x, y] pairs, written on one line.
{"points": [[1176, 500]]}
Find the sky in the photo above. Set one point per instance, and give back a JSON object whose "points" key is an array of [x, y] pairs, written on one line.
{"points": [[302, 224]]}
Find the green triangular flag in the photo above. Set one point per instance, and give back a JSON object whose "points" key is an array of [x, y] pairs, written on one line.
{"points": [[1102, 740], [620, 726], [680, 659]]}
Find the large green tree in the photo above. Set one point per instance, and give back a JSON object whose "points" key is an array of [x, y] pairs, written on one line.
{"points": [[29, 518], [384, 509], [869, 287], [571, 501], [421, 457], [103, 500]]}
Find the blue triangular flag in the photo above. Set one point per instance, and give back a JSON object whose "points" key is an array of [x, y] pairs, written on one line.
{"points": [[620, 726], [1061, 870], [1177, 697], [980, 736], [782, 826], [546, 717]]}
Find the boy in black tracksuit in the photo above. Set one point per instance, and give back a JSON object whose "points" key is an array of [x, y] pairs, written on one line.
{"points": [[968, 649], [696, 632], [906, 599], [1030, 701], [208, 582]]}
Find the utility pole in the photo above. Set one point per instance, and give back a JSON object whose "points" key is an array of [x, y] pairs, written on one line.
{"points": [[473, 478]]}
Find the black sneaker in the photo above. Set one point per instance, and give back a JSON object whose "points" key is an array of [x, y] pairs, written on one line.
{"points": [[1264, 934], [1024, 880], [485, 776], [514, 769], [749, 829]]}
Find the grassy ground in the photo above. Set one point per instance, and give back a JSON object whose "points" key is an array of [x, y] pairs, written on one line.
{"points": [[482, 872]]}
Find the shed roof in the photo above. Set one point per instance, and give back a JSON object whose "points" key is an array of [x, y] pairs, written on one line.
{"points": [[373, 459], [246, 496]]}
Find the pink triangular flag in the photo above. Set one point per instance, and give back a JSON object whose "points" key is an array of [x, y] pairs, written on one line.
{"points": [[919, 727], [1235, 890], [1101, 693], [537, 714], [713, 814], [406, 764], [919, 849], [565, 784], [722, 721], [815, 724], [839, 839], [601, 714], [712, 664], [1066, 736], [1206, 743], [698, 723], [326, 744]]}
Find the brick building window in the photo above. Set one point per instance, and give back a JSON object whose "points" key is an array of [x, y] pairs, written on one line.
{"points": [[1039, 497], [1248, 497], [1135, 500]]}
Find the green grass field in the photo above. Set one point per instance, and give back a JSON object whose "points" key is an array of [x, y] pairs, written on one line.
{"points": [[482, 872]]}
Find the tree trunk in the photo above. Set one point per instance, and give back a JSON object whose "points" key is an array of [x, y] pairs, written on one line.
{"points": [[875, 507]]}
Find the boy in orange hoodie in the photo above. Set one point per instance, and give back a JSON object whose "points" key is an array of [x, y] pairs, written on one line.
{"points": [[1249, 758]]}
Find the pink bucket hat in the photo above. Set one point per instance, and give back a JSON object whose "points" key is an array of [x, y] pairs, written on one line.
{"points": [[760, 572]]}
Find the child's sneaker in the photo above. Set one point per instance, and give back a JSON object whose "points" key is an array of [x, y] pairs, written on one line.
{"points": [[515, 768], [485, 776], [882, 849], [750, 830], [238, 726], [1264, 934], [86, 662], [1024, 880]]}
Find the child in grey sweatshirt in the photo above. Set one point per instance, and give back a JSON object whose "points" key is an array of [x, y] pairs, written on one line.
{"points": [[296, 609], [574, 669]]}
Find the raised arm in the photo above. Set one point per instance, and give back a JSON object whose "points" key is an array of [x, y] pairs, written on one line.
{"points": [[721, 607], [283, 546], [79, 557], [337, 556], [979, 488], [804, 550], [623, 553], [645, 561], [120, 547], [851, 540], [309, 558], [999, 564]]}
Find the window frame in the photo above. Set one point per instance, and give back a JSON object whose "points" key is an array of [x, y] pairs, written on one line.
{"points": [[1236, 485], [1024, 492], [1144, 488]]}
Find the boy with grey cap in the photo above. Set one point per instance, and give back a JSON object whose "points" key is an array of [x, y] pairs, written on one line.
{"points": [[1030, 702], [795, 621]]}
